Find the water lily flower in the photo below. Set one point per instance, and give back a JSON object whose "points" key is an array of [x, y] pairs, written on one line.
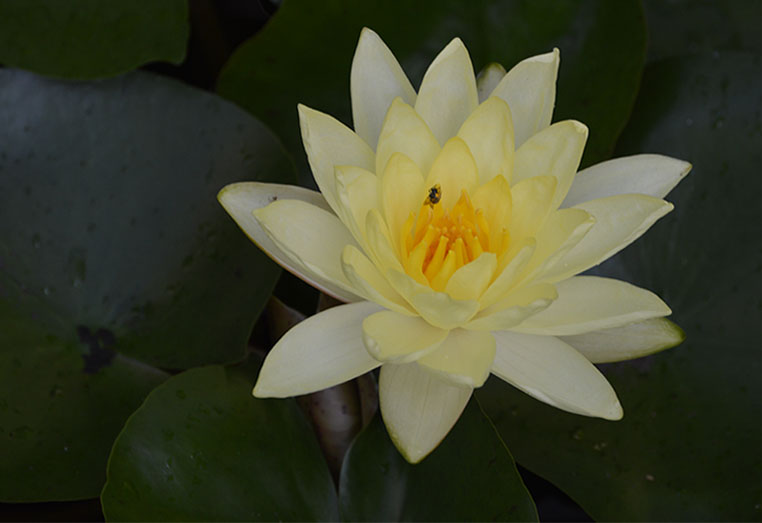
{"points": [[453, 223]]}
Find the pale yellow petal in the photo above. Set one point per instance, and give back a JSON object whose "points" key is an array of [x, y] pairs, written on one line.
{"points": [[418, 408], [530, 90], [627, 342], [553, 372], [470, 281], [368, 282], [402, 192], [381, 248], [329, 143], [448, 91], [488, 132], [487, 80], [454, 170], [320, 352], [437, 308], [376, 79], [392, 337], [312, 240], [241, 199], [531, 202], [508, 276], [514, 308], [556, 151], [357, 193], [562, 231], [495, 200], [619, 220], [405, 132], [651, 174], [589, 303], [464, 358]]}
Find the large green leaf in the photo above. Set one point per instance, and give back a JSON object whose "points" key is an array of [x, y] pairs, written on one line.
{"points": [[304, 54], [115, 258], [680, 27], [688, 447], [57, 422], [86, 39], [471, 476], [202, 448]]}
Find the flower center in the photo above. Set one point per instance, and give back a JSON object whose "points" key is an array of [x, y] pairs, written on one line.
{"points": [[435, 243]]}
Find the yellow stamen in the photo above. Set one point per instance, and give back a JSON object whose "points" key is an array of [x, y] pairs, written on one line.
{"points": [[425, 216], [439, 281], [436, 261], [437, 242], [474, 247], [482, 230], [406, 238], [414, 265], [461, 258]]}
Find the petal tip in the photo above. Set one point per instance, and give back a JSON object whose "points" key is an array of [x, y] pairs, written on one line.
{"points": [[261, 215], [580, 127], [455, 45], [457, 42], [615, 412], [546, 58], [371, 345], [367, 32], [679, 333], [493, 67], [304, 112], [412, 454], [260, 391], [223, 193]]}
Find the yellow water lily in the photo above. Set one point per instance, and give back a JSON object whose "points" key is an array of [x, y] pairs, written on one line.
{"points": [[454, 223]]}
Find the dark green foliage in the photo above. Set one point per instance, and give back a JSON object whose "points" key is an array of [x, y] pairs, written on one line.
{"points": [[469, 477], [202, 448], [84, 39], [115, 259]]}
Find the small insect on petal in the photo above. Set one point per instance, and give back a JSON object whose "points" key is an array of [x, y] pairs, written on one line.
{"points": [[435, 195]]}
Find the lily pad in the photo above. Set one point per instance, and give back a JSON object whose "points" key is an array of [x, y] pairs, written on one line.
{"points": [[115, 259], [203, 448], [85, 39], [602, 52], [680, 27], [471, 476], [688, 446]]}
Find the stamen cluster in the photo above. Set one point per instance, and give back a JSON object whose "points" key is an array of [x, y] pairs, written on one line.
{"points": [[435, 243]]}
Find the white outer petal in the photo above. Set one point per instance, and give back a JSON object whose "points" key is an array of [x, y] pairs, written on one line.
{"points": [[619, 221], [530, 90], [553, 372], [376, 79], [418, 408], [312, 240], [320, 352], [628, 342], [240, 200], [590, 303], [329, 143], [448, 91], [650, 174]]}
